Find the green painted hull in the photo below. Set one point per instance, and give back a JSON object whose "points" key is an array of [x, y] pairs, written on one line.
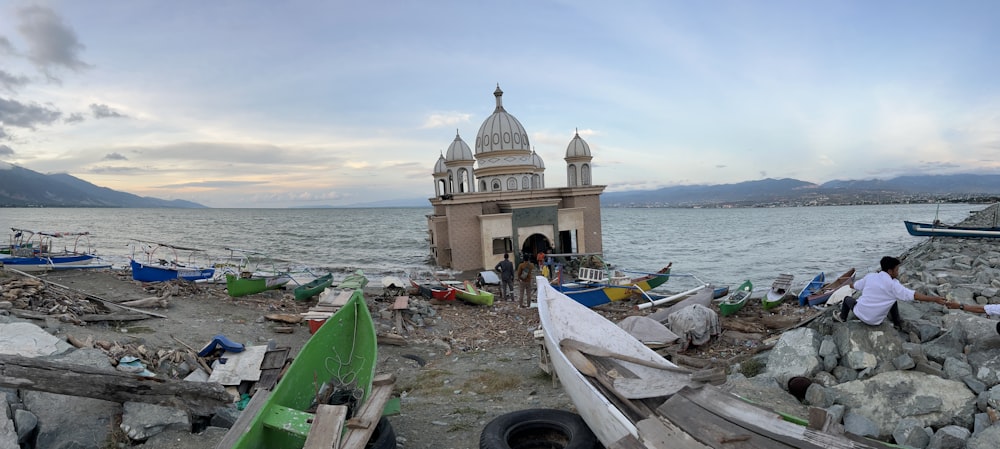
{"points": [[344, 350], [237, 286], [474, 295], [736, 300], [314, 287]]}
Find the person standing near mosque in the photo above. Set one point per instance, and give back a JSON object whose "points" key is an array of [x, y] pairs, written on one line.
{"points": [[525, 274], [506, 269]]}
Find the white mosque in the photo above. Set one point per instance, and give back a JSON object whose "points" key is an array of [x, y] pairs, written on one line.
{"points": [[494, 200]]}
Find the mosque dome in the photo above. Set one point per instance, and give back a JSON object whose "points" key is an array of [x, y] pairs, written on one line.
{"points": [[440, 167], [459, 150], [577, 147], [501, 131], [536, 160]]}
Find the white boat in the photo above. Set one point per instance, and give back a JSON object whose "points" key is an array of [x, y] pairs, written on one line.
{"points": [[34, 251], [778, 290], [632, 397]]}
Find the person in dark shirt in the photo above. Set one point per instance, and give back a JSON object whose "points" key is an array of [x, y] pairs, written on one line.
{"points": [[506, 269]]}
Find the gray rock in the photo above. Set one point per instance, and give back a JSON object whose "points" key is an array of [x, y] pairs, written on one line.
{"points": [[816, 395], [974, 384], [8, 435], [957, 369], [29, 340], [909, 431], [224, 417], [987, 439], [26, 424], [949, 437], [860, 425], [904, 362], [141, 421], [981, 422], [795, 354], [946, 345]]}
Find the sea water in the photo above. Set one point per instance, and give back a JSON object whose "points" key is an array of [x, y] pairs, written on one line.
{"points": [[719, 246]]}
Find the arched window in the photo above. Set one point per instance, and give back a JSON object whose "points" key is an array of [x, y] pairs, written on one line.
{"points": [[534, 182], [525, 183], [586, 174], [571, 175], [482, 185], [496, 185], [511, 183]]}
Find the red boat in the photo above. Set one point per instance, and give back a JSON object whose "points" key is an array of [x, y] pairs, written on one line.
{"points": [[429, 290]]}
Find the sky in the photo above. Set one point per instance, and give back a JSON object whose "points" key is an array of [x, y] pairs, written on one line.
{"points": [[330, 103]]}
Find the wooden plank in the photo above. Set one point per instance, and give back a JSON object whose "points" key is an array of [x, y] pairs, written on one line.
{"points": [[239, 366], [665, 385], [361, 427], [401, 303], [711, 429], [243, 422], [326, 427], [658, 433], [341, 299]]}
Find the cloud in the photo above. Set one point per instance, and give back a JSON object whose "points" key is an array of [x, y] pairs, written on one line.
{"points": [[115, 157], [12, 82], [447, 119], [15, 113], [3, 134], [114, 169], [51, 43], [74, 118], [105, 111], [214, 184], [6, 151]]}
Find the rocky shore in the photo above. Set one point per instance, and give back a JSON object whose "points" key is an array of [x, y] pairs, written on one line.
{"points": [[931, 384]]}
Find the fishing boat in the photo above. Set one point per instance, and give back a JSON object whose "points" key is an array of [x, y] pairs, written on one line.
{"points": [[440, 292], [33, 251], [648, 402], [778, 290], [474, 295], [335, 366], [737, 299], [824, 292], [313, 287], [354, 281], [703, 296], [918, 229], [811, 287], [594, 287], [249, 283], [153, 268]]}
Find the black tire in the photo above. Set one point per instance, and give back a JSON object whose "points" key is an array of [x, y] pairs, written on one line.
{"points": [[538, 429], [384, 436]]}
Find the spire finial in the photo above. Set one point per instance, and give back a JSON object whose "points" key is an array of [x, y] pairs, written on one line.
{"points": [[498, 93]]}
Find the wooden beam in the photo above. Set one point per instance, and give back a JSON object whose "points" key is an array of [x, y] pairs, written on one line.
{"points": [[326, 427], [361, 427], [198, 398]]}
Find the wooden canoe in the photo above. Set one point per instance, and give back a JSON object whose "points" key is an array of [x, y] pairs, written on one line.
{"points": [[812, 287], [238, 286], [338, 361], [781, 286], [593, 292], [737, 299], [648, 402], [824, 292], [473, 295], [313, 287], [440, 292]]}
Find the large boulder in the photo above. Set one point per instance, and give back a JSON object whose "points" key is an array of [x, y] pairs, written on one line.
{"points": [[795, 354]]}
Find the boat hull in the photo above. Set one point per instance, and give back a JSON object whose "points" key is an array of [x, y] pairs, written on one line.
{"points": [[779, 289], [812, 287], [155, 273], [35, 264], [824, 292], [473, 295], [237, 286], [736, 300], [442, 293], [313, 288], [594, 294], [930, 230], [343, 350]]}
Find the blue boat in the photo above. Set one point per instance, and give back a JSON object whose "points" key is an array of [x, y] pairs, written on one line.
{"points": [[33, 251], [155, 269], [812, 287], [943, 230]]}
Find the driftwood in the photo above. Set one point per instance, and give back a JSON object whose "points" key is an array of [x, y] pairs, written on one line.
{"points": [[109, 304], [198, 398], [121, 316], [284, 318]]}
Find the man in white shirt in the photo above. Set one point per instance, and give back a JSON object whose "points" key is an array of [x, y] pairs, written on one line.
{"points": [[879, 293]]}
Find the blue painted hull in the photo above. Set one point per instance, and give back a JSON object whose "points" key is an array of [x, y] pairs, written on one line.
{"points": [[47, 263], [152, 273], [932, 230], [812, 287]]}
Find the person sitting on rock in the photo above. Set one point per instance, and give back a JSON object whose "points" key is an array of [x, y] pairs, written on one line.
{"points": [[879, 292], [989, 309]]}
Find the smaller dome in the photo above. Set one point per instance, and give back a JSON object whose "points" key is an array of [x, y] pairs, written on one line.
{"points": [[578, 147], [439, 167], [459, 151], [536, 160]]}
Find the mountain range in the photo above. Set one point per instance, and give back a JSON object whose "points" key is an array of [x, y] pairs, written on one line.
{"points": [[20, 187]]}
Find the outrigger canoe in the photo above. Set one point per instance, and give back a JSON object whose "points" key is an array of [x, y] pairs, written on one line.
{"points": [[314, 287], [338, 362], [238, 286], [474, 295], [736, 299], [593, 290]]}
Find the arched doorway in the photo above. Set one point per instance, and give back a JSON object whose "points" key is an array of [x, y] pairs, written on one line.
{"points": [[533, 244]]}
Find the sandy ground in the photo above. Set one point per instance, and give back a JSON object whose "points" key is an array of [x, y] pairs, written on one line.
{"points": [[453, 376]]}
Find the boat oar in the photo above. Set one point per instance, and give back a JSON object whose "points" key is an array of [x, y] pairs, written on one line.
{"points": [[580, 362], [598, 351]]}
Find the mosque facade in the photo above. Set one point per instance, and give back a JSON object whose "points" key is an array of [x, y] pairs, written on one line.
{"points": [[493, 200]]}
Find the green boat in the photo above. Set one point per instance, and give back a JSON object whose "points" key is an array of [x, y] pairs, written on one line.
{"points": [[244, 285], [314, 287], [337, 362], [354, 281], [474, 295], [778, 291], [737, 299]]}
